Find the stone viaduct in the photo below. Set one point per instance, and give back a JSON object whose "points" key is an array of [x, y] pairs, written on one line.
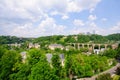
{"points": [[92, 46]]}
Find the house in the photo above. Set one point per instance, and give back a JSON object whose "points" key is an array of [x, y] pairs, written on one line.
{"points": [[36, 45], [23, 54], [96, 51], [31, 45], [114, 46], [15, 45], [62, 59], [49, 57], [54, 46]]}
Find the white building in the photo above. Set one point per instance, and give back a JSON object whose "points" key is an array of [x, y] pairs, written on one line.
{"points": [[54, 46], [31, 45], [15, 45], [62, 59], [23, 54], [96, 51]]}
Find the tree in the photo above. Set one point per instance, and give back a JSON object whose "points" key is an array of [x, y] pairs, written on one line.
{"points": [[68, 66], [7, 63], [2, 51], [83, 38], [34, 55], [115, 37], [42, 71], [118, 52], [21, 73], [81, 67], [56, 64], [110, 53]]}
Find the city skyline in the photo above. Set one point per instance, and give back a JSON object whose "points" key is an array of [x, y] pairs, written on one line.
{"points": [[36, 18]]}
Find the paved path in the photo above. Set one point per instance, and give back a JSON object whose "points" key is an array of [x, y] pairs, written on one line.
{"points": [[111, 71]]}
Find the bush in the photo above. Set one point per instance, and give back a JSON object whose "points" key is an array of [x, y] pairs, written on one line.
{"points": [[106, 76]]}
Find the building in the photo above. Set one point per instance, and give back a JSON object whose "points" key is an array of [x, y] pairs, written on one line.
{"points": [[49, 57], [96, 51], [15, 45], [31, 45], [114, 46], [54, 46], [23, 54], [36, 45], [62, 58]]}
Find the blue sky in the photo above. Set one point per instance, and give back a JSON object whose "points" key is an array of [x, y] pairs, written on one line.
{"points": [[34, 18]]}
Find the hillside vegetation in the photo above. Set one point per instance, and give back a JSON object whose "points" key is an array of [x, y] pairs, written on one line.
{"points": [[94, 38]]}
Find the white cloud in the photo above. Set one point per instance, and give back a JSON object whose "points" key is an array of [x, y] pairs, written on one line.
{"points": [[54, 13], [24, 30], [49, 27], [80, 5], [78, 22], [35, 17], [104, 19], [92, 17], [92, 24], [45, 27], [73, 7], [91, 10], [64, 17], [90, 27], [116, 27], [33, 8]]}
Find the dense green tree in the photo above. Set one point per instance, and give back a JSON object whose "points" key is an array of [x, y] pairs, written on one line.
{"points": [[12, 39], [42, 71], [98, 38], [34, 55], [118, 52], [7, 63], [110, 53], [21, 73], [56, 64], [68, 66], [80, 67], [69, 39], [115, 37], [2, 51], [83, 38], [88, 70]]}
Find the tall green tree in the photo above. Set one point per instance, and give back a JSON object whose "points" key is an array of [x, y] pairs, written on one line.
{"points": [[56, 64], [2, 51], [7, 63], [68, 66], [42, 71], [34, 55], [21, 73], [110, 53]]}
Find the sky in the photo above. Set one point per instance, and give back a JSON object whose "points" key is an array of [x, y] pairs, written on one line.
{"points": [[35, 18]]}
